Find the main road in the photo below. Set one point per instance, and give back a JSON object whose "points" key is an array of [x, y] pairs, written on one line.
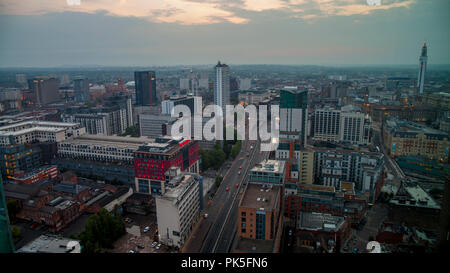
{"points": [[216, 232]]}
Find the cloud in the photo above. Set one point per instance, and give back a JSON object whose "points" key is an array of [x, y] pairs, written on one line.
{"points": [[191, 12]]}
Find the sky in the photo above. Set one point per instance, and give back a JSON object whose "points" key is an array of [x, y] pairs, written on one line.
{"points": [[52, 33]]}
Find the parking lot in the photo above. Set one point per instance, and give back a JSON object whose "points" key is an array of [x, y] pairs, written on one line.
{"points": [[136, 238]]}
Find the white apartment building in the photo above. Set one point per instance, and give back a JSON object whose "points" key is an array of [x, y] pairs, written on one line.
{"points": [[332, 167], [348, 124], [178, 208], [101, 148], [222, 86], [42, 131]]}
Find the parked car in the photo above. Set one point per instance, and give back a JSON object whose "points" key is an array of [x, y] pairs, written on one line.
{"points": [[140, 246], [158, 246], [132, 251], [146, 229], [153, 244]]}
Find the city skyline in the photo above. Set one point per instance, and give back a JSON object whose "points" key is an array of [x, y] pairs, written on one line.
{"points": [[293, 33]]}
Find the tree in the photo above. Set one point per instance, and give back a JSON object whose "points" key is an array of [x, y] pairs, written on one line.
{"points": [[236, 149], [13, 209], [101, 231], [213, 158], [16, 234], [131, 131], [218, 181]]}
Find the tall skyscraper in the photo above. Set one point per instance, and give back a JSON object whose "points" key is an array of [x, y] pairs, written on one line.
{"points": [[6, 243], [145, 82], [81, 89], [293, 114], [45, 89], [423, 68], [222, 86]]}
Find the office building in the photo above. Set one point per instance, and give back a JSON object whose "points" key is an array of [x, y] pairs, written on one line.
{"points": [[19, 158], [406, 138], [152, 160], [268, 172], [259, 212], [111, 119], [101, 148], [42, 131], [363, 167], [44, 89], [347, 125], [155, 125], [109, 157], [178, 207], [192, 102], [81, 89], [222, 86], [293, 114], [10, 99], [145, 83]]}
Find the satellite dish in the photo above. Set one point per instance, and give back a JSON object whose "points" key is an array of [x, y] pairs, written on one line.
{"points": [[73, 247]]}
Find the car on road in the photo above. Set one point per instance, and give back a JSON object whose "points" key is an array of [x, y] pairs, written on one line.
{"points": [[34, 225], [227, 189], [146, 229], [239, 172], [140, 246], [240, 168], [205, 215], [237, 185], [290, 232], [158, 246], [153, 244]]}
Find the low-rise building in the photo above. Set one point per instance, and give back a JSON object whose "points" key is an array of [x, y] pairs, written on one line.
{"points": [[42, 131], [405, 138], [34, 176], [51, 244]]}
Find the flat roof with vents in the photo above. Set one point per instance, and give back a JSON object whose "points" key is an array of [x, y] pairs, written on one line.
{"points": [[261, 198]]}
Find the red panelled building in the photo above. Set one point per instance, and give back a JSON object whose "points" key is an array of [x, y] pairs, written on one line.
{"points": [[152, 160]]}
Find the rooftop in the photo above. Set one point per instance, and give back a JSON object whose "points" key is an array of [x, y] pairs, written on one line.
{"points": [[400, 127], [115, 141], [415, 196], [272, 166], [51, 244], [37, 124], [254, 246], [260, 197], [178, 186], [319, 222]]}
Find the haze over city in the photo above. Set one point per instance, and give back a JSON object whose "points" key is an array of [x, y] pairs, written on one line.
{"points": [[189, 32]]}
